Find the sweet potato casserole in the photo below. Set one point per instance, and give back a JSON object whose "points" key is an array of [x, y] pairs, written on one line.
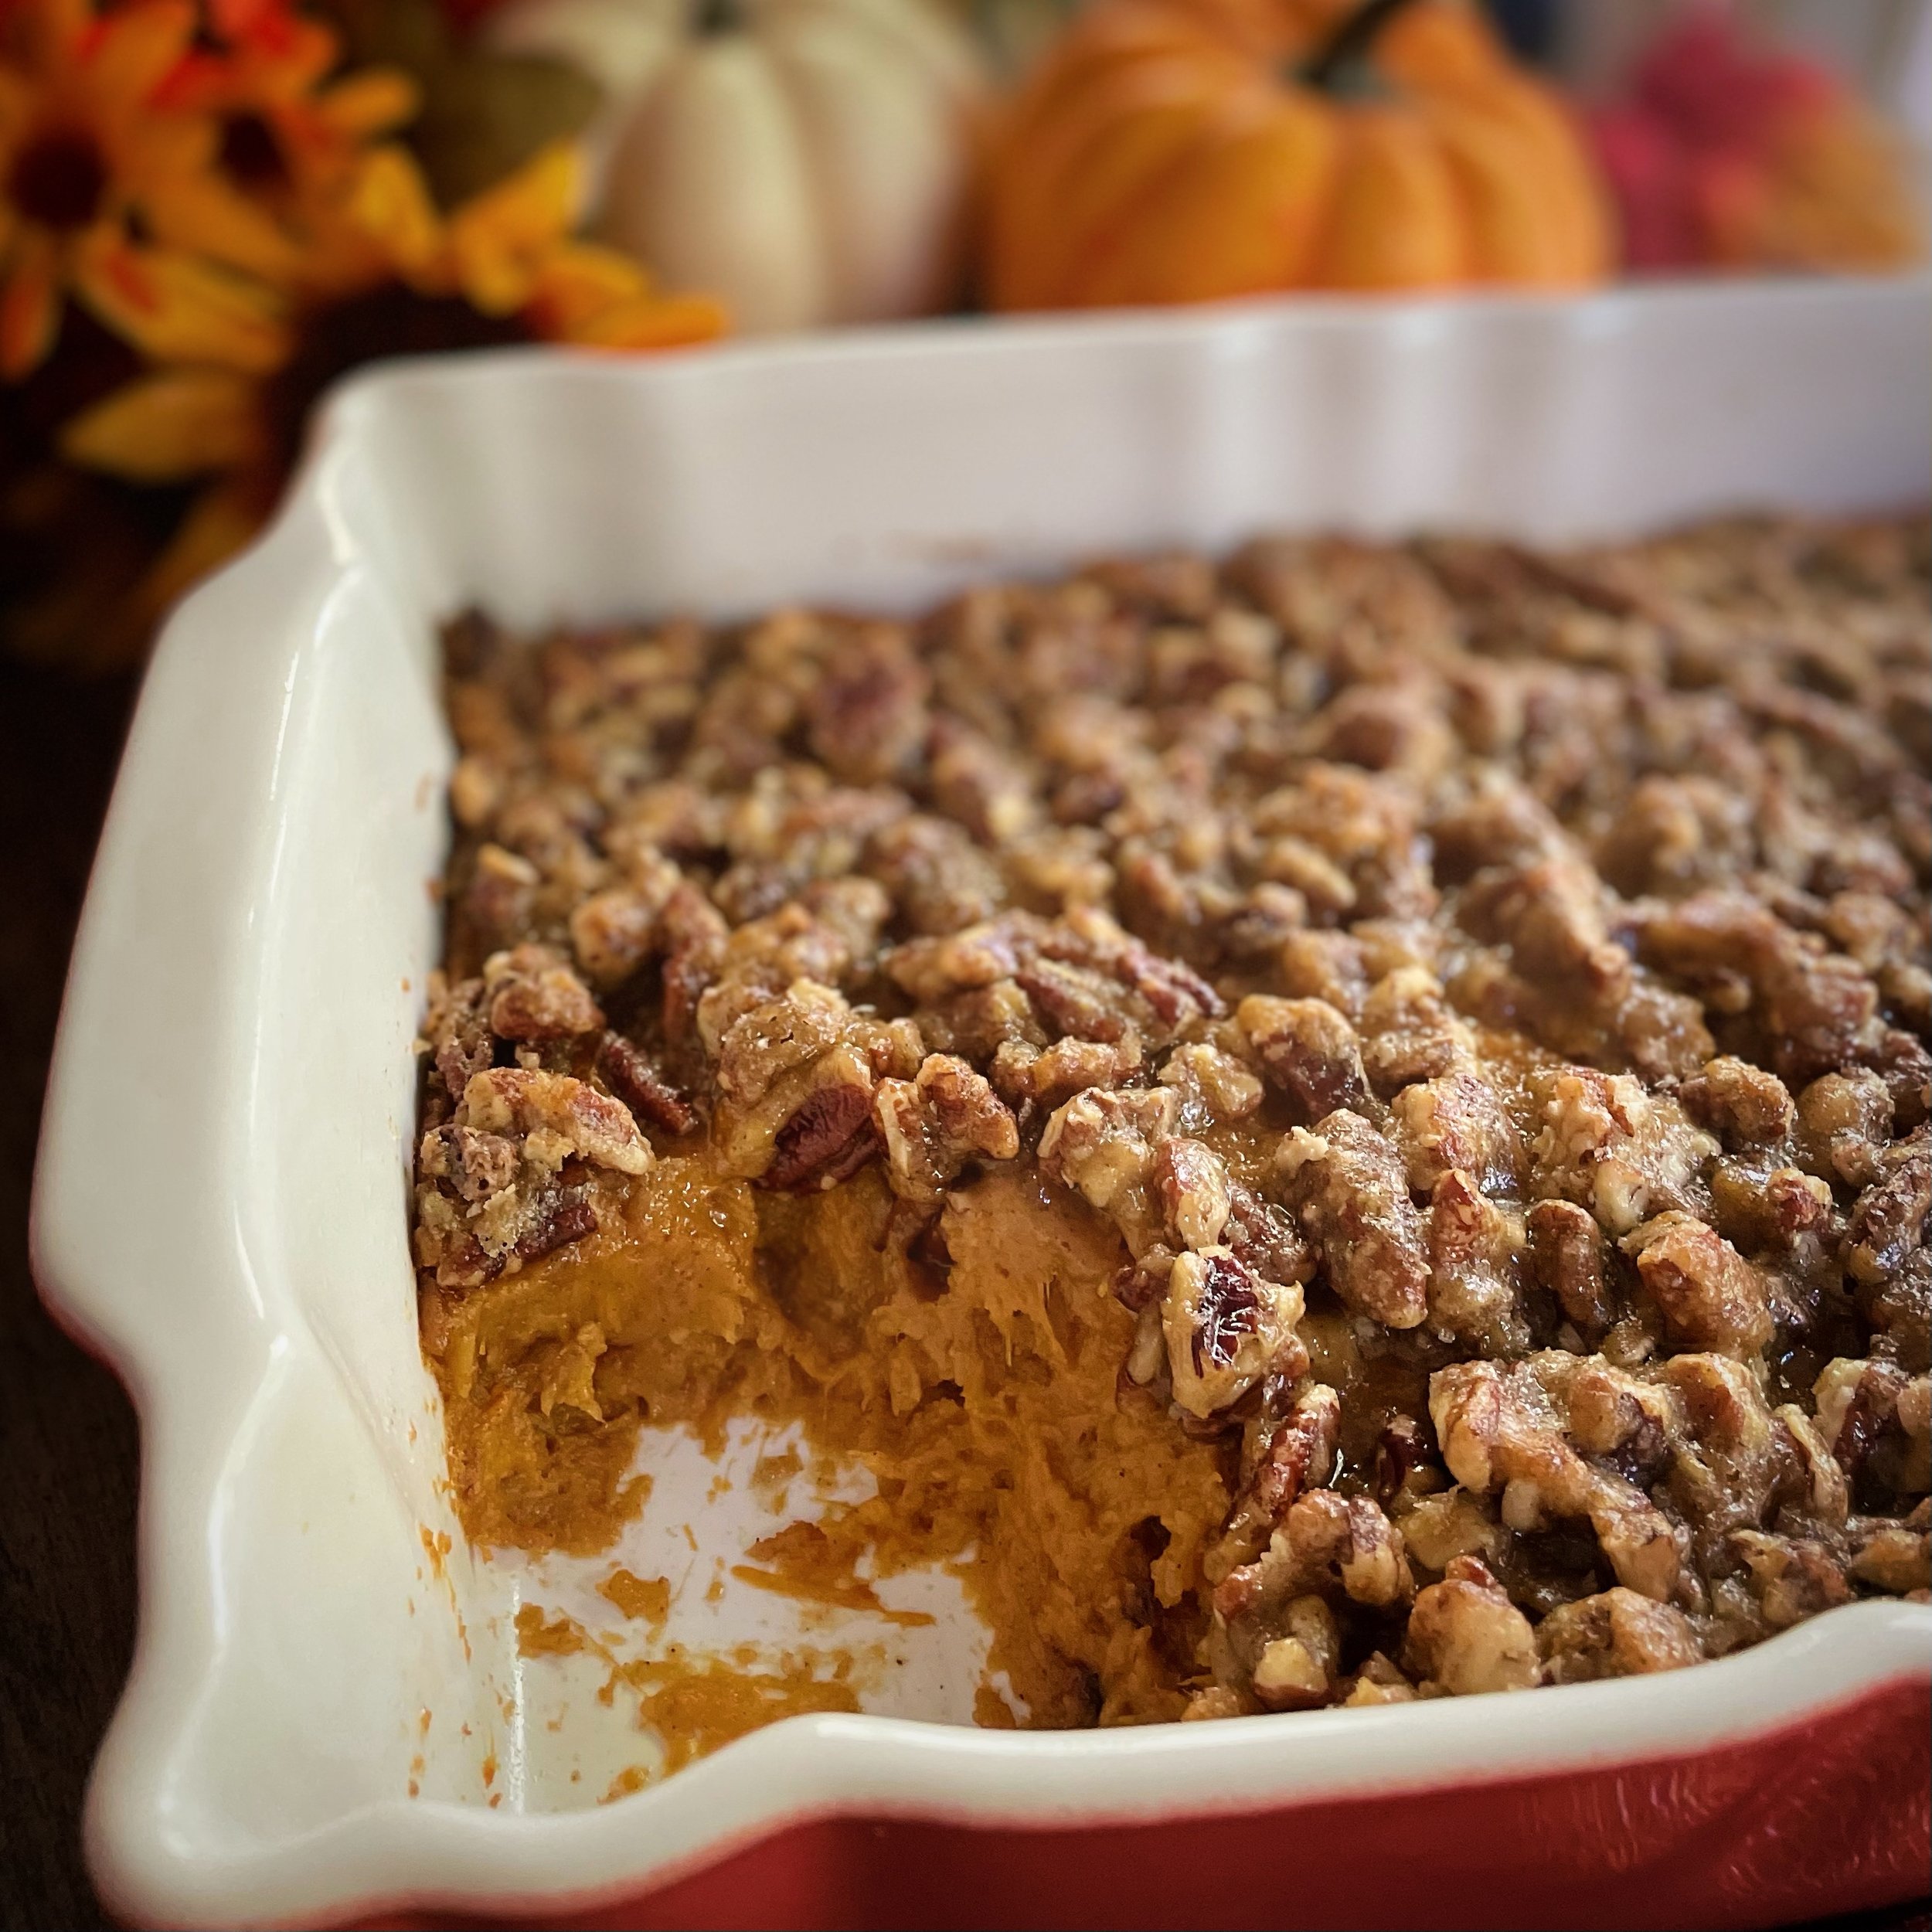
{"points": [[1343, 1125]]}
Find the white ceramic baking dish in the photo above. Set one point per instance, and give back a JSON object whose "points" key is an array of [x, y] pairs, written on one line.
{"points": [[327, 1714]]}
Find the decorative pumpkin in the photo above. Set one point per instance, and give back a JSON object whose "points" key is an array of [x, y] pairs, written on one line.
{"points": [[808, 161], [1176, 150]]}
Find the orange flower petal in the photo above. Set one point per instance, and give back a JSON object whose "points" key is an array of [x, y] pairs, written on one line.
{"points": [[135, 49], [175, 423], [29, 307], [649, 322], [579, 280], [204, 215], [16, 102], [174, 308]]}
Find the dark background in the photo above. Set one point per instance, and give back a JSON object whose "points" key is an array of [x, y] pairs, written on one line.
{"points": [[67, 1437]]}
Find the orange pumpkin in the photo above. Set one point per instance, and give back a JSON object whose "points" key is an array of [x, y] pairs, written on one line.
{"points": [[1178, 150]]}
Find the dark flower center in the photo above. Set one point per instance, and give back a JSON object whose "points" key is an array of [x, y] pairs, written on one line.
{"points": [[250, 154], [58, 179]]}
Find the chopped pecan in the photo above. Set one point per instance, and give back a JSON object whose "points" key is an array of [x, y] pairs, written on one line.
{"points": [[1793, 1578], [457, 1031], [978, 1023], [1049, 1075], [1326, 1544], [933, 1125], [828, 1136], [1075, 1000], [1744, 1105], [693, 933], [773, 1036], [1710, 1297], [1264, 1239], [1346, 1184], [940, 880], [1892, 1556], [1410, 1032], [867, 711], [570, 1221], [1888, 1222], [1102, 1143], [1566, 1254], [1465, 1636], [1217, 1330], [1503, 1430], [1215, 1088], [1617, 1634], [533, 995], [475, 1165], [1609, 1146], [1845, 1121], [557, 1117], [1307, 1049], [1457, 1122], [1195, 1190], [1296, 1670], [1811, 1008], [502, 891], [1295, 1453], [627, 1071], [1473, 1247]]}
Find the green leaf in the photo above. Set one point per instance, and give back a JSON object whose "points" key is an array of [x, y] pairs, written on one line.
{"points": [[483, 115]]}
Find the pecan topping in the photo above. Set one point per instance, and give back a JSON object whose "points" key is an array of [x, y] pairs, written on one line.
{"points": [[816, 1144], [629, 1074], [933, 1125], [1527, 958], [1346, 1184]]}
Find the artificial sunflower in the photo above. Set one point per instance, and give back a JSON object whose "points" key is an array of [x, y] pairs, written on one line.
{"points": [[292, 131], [111, 195], [387, 273], [237, 225]]}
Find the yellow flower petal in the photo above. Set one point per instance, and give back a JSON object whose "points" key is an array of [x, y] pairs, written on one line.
{"points": [[29, 307], [176, 424], [174, 308], [373, 102], [498, 239], [390, 200], [537, 203]]}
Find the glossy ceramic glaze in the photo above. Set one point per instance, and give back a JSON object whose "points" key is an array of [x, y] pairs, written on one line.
{"points": [[327, 1717]]}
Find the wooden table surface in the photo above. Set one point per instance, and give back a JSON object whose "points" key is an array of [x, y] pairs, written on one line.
{"points": [[67, 1436]]}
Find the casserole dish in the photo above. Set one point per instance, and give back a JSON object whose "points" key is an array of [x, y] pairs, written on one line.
{"points": [[330, 1714]]}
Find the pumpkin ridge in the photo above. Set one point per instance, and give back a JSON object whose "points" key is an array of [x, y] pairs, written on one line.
{"points": [[1237, 122], [1187, 126], [1070, 193]]}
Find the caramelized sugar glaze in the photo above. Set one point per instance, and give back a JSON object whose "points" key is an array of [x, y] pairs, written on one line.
{"points": [[1338, 1126]]}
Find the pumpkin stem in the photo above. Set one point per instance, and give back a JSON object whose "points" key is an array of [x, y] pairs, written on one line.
{"points": [[719, 16], [1349, 42]]}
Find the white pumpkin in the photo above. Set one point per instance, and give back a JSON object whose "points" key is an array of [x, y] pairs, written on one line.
{"points": [[807, 161]]}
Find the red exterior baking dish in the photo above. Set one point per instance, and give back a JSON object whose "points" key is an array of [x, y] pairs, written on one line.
{"points": [[328, 1720]]}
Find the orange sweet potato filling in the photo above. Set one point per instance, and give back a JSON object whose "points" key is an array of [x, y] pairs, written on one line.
{"points": [[989, 1415]]}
